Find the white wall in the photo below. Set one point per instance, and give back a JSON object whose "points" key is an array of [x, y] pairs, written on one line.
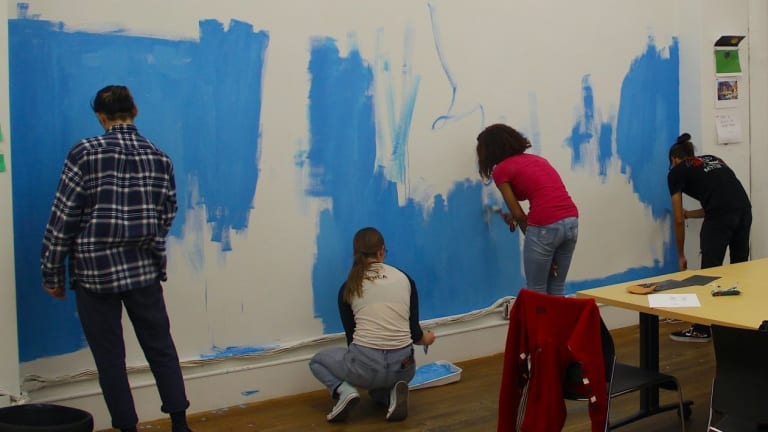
{"points": [[702, 23], [9, 365], [758, 115], [210, 302]]}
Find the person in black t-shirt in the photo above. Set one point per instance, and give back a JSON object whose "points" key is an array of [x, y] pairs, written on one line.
{"points": [[725, 208]]}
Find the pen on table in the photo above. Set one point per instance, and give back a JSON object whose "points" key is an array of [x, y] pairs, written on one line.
{"points": [[426, 348]]}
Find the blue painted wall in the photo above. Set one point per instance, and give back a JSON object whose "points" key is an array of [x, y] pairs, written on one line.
{"points": [[201, 101]]}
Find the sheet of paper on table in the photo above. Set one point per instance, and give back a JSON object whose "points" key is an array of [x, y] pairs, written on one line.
{"points": [[673, 300]]}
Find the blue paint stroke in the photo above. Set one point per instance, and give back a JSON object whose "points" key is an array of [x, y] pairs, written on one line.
{"points": [[247, 393], [604, 148], [228, 81], [648, 123], [443, 119], [584, 129], [451, 280], [235, 351], [399, 121], [588, 130], [199, 101], [341, 161]]}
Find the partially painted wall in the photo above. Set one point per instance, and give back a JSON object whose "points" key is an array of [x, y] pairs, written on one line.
{"points": [[293, 125]]}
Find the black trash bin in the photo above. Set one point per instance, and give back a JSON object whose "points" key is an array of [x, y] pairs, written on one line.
{"points": [[44, 418]]}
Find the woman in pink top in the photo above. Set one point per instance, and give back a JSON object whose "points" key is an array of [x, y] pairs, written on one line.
{"points": [[551, 226]]}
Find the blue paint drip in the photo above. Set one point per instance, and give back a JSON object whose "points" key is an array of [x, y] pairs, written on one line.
{"points": [[235, 351], [194, 99], [400, 120], [604, 149], [583, 131]]}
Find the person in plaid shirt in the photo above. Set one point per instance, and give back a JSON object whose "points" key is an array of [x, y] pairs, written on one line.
{"points": [[114, 206]]}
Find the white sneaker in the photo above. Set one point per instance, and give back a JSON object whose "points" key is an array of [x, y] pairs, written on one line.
{"points": [[348, 398], [398, 402]]}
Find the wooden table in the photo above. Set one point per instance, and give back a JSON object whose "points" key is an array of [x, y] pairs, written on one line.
{"points": [[746, 310]]}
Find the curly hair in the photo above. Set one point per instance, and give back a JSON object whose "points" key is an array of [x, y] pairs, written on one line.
{"points": [[496, 143]]}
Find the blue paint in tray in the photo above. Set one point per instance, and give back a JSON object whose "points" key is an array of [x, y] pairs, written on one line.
{"points": [[435, 374]]}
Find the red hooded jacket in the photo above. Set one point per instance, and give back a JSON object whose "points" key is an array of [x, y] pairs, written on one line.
{"points": [[546, 334]]}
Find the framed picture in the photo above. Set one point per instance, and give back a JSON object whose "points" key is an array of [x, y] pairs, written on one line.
{"points": [[727, 92]]}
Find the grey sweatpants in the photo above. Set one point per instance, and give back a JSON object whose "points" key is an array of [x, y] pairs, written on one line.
{"points": [[375, 370]]}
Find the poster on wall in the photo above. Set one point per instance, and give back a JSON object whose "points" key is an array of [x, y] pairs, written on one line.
{"points": [[727, 92], [728, 126], [727, 55], [727, 61]]}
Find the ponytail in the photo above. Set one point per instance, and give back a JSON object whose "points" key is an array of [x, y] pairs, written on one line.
{"points": [[366, 244], [354, 286]]}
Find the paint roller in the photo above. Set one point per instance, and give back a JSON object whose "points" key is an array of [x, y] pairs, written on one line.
{"points": [[489, 210]]}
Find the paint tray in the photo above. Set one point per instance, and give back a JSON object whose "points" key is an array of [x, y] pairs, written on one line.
{"points": [[435, 374]]}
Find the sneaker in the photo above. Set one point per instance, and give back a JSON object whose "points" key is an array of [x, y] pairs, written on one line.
{"points": [[691, 334], [348, 398], [398, 402]]}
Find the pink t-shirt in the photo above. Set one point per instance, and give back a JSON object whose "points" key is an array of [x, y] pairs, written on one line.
{"points": [[533, 179]]}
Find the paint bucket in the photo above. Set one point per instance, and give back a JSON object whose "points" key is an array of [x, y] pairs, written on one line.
{"points": [[44, 418]]}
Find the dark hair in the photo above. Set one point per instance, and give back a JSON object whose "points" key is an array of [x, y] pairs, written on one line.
{"points": [[682, 148], [115, 102], [496, 143], [366, 244]]}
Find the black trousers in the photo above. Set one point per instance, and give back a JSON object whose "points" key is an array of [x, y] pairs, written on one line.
{"points": [[100, 316], [725, 231], [720, 232]]}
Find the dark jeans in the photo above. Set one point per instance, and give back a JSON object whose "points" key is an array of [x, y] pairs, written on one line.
{"points": [[100, 316], [725, 231]]}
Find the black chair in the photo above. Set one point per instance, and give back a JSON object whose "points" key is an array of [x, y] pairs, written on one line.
{"points": [[740, 387], [624, 379]]}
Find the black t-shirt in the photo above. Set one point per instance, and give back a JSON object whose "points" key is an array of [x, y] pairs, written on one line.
{"points": [[709, 180]]}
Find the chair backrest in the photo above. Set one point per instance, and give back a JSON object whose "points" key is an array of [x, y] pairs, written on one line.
{"points": [[740, 387], [551, 334], [573, 373]]}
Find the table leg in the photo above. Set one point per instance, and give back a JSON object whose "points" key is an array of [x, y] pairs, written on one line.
{"points": [[649, 358]]}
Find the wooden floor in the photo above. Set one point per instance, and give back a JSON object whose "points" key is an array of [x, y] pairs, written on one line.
{"points": [[471, 404]]}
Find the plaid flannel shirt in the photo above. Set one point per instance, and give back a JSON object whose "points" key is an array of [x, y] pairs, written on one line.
{"points": [[114, 206]]}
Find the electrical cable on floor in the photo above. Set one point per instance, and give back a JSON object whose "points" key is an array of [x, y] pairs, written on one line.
{"points": [[36, 382]]}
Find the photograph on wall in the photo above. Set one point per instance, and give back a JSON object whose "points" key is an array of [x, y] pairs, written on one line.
{"points": [[726, 92]]}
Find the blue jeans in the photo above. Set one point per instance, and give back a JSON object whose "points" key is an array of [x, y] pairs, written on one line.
{"points": [[376, 370], [547, 246]]}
